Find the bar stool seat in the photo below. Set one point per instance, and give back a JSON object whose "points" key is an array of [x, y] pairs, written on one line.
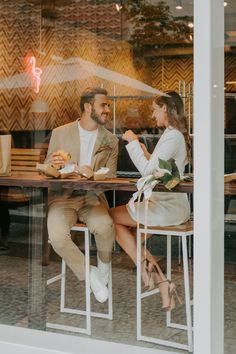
{"points": [[183, 231], [87, 312]]}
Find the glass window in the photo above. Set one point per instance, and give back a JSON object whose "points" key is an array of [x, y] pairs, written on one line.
{"points": [[229, 167], [52, 51]]}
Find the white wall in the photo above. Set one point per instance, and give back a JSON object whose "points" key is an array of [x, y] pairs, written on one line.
{"points": [[15, 340], [208, 177]]}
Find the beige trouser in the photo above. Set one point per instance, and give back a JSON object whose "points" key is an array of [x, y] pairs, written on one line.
{"points": [[62, 215]]}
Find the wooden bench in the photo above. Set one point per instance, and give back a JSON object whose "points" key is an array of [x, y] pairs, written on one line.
{"points": [[22, 161], [25, 160]]}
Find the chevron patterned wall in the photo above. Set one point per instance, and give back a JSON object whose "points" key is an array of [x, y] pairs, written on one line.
{"points": [[167, 72], [81, 31]]}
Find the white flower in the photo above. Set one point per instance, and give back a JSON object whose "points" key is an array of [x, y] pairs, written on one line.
{"points": [[147, 191], [158, 174], [163, 171], [143, 180], [145, 185]]}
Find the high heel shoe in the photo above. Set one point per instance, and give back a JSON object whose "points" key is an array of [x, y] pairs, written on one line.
{"points": [[149, 273], [168, 293]]}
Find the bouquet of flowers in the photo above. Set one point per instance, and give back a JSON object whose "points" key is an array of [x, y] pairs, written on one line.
{"points": [[166, 173]]}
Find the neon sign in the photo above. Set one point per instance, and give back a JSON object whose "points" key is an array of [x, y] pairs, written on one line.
{"points": [[36, 73]]}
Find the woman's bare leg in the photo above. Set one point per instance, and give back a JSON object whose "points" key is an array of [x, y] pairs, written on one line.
{"points": [[150, 271], [127, 240], [124, 236]]}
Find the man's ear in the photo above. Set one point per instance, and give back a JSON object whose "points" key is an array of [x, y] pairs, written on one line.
{"points": [[87, 107]]}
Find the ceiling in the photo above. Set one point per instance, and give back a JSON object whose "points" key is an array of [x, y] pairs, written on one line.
{"points": [[174, 38]]}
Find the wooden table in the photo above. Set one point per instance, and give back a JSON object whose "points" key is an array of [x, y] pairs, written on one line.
{"points": [[118, 184], [39, 186]]}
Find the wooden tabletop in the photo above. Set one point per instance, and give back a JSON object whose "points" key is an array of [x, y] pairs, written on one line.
{"points": [[122, 184]]}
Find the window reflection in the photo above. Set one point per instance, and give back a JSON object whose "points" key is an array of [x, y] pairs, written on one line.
{"points": [[135, 49]]}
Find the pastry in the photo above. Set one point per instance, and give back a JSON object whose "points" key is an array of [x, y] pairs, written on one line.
{"points": [[65, 155]]}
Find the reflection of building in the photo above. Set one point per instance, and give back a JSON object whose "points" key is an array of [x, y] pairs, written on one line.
{"points": [[90, 31], [230, 110], [83, 29], [91, 34]]}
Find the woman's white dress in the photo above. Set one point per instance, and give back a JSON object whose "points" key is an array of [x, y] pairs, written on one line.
{"points": [[165, 208]]}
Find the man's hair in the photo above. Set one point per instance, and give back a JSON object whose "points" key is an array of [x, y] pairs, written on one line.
{"points": [[88, 96]]}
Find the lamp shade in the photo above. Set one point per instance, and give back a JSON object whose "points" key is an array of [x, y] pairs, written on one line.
{"points": [[39, 106], [179, 5]]}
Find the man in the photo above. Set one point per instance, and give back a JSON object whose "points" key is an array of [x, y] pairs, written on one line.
{"points": [[88, 143]]}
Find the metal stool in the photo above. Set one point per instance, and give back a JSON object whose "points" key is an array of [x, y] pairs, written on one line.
{"points": [[88, 313], [183, 231]]}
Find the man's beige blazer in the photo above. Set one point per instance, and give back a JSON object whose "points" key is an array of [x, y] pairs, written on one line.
{"points": [[105, 152]]}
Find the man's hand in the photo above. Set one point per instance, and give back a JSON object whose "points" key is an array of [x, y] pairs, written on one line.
{"points": [[129, 136], [58, 159]]}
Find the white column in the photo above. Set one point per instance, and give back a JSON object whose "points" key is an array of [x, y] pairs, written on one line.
{"points": [[208, 173]]}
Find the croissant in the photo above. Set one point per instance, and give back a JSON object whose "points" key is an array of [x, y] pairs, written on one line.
{"points": [[65, 155]]}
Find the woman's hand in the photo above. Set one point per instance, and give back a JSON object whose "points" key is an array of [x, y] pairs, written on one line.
{"points": [[129, 136]]}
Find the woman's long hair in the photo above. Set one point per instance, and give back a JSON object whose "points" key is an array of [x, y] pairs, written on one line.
{"points": [[176, 117]]}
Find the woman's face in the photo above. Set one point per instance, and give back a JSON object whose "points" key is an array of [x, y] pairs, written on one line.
{"points": [[159, 113]]}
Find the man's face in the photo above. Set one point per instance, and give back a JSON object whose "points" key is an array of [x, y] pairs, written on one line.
{"points": [[100, 109]]}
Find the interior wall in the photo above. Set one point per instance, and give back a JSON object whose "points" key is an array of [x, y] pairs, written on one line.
{"points": [[79, 31], [53, 45], [169, 71]]}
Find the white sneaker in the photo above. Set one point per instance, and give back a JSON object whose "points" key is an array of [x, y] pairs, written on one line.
{"points": [[104, 269], [99, 290]]}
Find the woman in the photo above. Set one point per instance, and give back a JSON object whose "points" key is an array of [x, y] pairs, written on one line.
{"points": [[164, 208]]}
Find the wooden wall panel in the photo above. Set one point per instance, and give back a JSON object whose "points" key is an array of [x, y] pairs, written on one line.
{"points": [[94, 40], [230, 72], [85, 31], [167, 72]]}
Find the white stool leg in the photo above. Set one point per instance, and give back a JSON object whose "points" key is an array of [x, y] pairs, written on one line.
{"points": [[190, 247], [187, 294], [140, 296], [63, 285], [138, 285], [87, 281], [62, 276], [179, 250], [168, 260], [109, 314], [168, 274], [110, 299]]}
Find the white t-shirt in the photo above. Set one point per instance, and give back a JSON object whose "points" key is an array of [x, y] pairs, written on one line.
{"points": [[87, 142]]}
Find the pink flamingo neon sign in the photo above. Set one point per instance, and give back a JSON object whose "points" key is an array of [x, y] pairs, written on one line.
{"points": [[36, 72]]}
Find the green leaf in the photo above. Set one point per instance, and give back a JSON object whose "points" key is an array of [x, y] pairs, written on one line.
{"points": [[175, 170], [165, 164], [169, 180], [166, 178]]}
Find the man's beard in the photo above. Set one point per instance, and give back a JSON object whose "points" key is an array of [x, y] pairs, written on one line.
{"points": [[96, 117]]}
